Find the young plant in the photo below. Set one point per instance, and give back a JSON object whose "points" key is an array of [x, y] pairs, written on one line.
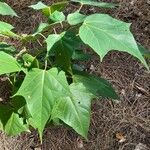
{"points": [[48, 85]]}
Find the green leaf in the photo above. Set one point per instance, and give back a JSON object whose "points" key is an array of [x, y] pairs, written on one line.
{"points": [[64, 50], [96, 85], [42, 27], [95, 3], [40, 5], [48, 10], [15, 125], [10, 121], [1, 126], [145, 52], [57, 16], [7, 48], [53, 39], [104, 33], [8, 64], [5, 9], [75, 18], [79, 67], [58, 6], [5, 26], [41, 89], [5, 29], [5, 113], [30, 61], [74, 110], [80, 55]]}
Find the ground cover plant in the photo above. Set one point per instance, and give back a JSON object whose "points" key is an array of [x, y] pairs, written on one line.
{"points": [[47, 85]]}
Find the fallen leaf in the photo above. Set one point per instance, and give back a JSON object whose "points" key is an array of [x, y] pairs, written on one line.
{"points": [[120, 137]]}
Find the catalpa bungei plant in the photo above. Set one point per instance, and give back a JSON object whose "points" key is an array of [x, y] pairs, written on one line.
{"points": [[48, 86]]}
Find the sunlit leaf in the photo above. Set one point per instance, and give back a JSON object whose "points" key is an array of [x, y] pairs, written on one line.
{"points": [[10, 121], [40, 28], [8, 64], [48, 10], [5, 29], [57, 16], [74, 110], [53, 39], [40, 5], [104, 33], [75, 18], [5, 9], [95, 3], [41, 89]]}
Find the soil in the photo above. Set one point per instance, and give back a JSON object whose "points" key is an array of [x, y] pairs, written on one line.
{"points": [[114, 126]]}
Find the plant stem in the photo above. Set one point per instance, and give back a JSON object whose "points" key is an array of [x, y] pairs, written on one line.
{"points": [[42, 35], [80, 8], [54, 30], [20, 53], [45, 64]]}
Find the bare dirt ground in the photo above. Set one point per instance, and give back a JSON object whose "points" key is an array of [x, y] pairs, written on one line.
{"points": [[111, 122]]}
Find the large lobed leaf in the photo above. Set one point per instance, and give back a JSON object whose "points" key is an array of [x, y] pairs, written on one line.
{"points": [[74, 110], [41, 89], [104, 33], [49, 96]]}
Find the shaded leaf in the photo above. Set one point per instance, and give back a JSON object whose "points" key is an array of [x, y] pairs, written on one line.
{"points": [[80, 55], [7, 48], [64, 50], [145, 52], [96, 85]]}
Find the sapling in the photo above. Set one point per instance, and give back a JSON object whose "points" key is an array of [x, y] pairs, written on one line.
{"points": [[48, 86]]}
